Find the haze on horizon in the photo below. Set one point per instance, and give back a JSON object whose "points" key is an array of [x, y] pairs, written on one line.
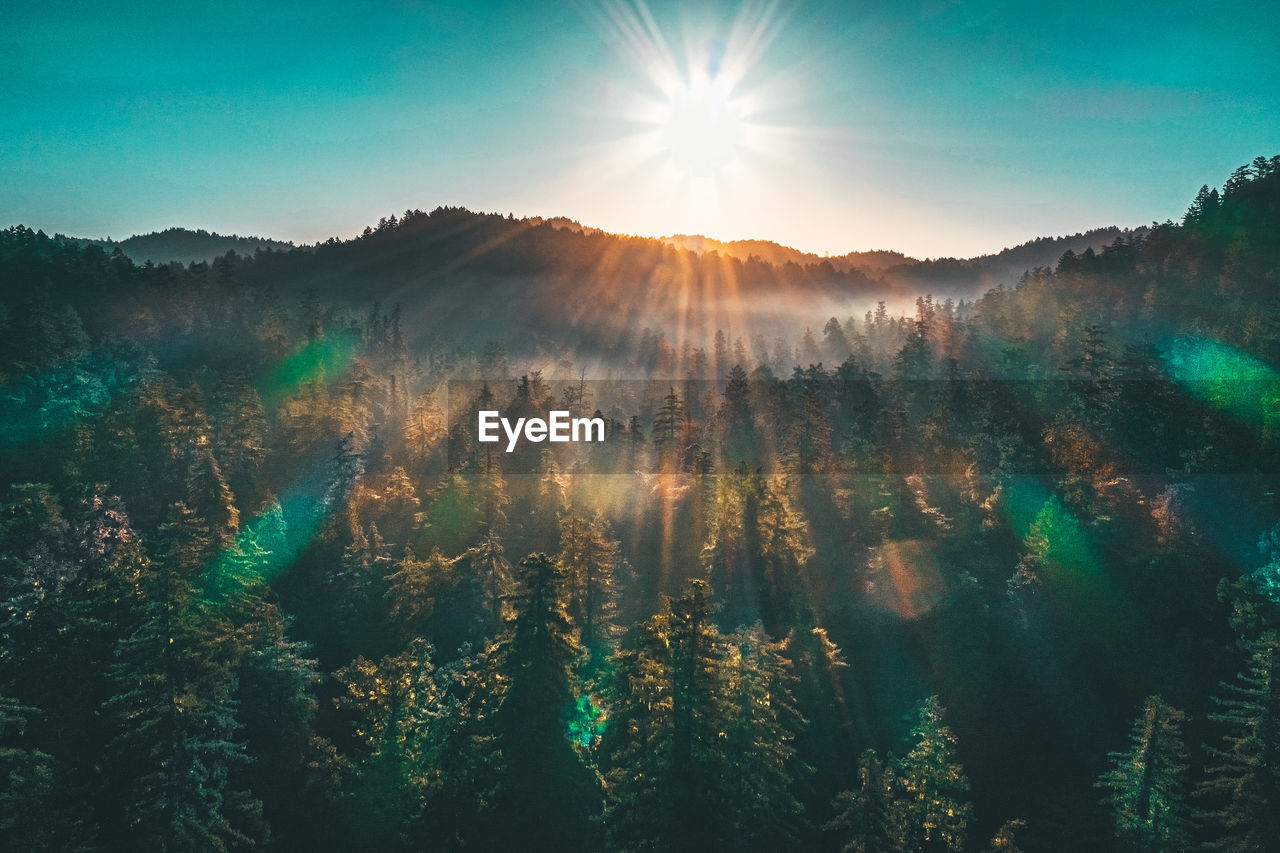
{"points": [[947, 129]]}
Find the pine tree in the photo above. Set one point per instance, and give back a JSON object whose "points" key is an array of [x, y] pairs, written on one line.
{"points": [[439, 598], [862, 813], [915, 360], [175, 745], [548, 795], [350, 588], [736, 417], [33, 811], [668, 424], [761, 721], [1093, 393], [664, 733], [428, 765], [289, 764], [929, 812], [698, 746], [809, 434], [208, 495], [754, 553], [720, 350], [834, 342], [399, 713], [542, 525], [1242, 782], [487, 556], [415, 588], [589, 559], [239, 438], [425, 432], [1195, 213], [784, 549], [1146, 783], [1005, 840]]}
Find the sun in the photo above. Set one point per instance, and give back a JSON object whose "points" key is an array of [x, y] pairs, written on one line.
{"points": [[702, 128], [699, 130]]}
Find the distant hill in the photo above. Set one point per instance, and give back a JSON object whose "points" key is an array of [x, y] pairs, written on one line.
{"points": [[949, 276], [952, 275], [871, 263], [185, 246]]}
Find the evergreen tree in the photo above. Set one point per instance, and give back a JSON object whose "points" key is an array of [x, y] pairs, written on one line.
{"points": [[915, 360], [809, 435], [437, 598], [542, 527], [663, 736], [1242, 780], [1005, 840], [175, 746], [1202, 208], [548, 795], [33, 811], [401, 718], [759, 750], [240, 432], [699, 739], [862, 813], [754, 553], [736, 417], [929, 811], [589, 559], [487, 556], [668, 433], [1146, 783], [834, 342]]}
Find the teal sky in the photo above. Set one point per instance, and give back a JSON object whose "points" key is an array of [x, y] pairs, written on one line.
{"points": [[939, 128]]}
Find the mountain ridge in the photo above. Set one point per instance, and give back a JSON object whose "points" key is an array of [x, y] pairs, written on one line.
{"points": [[185, 245]]}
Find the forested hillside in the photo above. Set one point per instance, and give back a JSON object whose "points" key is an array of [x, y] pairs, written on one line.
{"points": [[1000, 574], [184, 246], [894, 270]]}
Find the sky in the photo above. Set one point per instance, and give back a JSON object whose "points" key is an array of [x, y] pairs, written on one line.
{"points": [[938, 128]]}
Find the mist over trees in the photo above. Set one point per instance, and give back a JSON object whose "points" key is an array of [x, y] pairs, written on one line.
{"points": [[993, 572]]}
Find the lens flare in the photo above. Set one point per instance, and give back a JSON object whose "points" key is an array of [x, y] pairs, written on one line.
{"points": [[1227, 379]]}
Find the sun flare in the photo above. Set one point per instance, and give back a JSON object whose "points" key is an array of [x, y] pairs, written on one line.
{"points": [[703, 133], [702, 127]]}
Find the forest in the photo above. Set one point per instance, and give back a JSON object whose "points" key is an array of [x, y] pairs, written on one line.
{"points": [[856, 568]]}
